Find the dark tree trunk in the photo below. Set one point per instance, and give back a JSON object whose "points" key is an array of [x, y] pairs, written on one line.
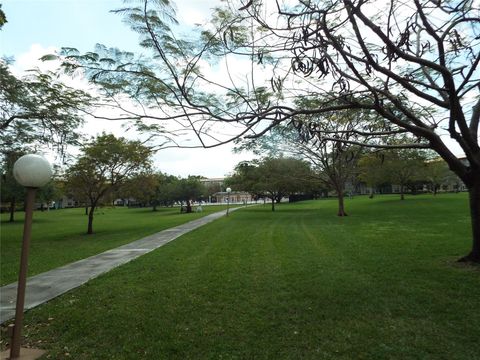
{"points": [[273, 203], [341, 205], [12, 210], [86, 210], [90, 219], [474, 200], [371, 193], [189, 207], [402, 190], [435, 189], [154, 207]]}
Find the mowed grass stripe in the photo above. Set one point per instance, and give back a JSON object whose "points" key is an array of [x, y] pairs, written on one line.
{"points": [[299, 283]]}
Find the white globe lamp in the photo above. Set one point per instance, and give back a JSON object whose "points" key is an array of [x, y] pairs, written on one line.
{"points": [[32, 171]]}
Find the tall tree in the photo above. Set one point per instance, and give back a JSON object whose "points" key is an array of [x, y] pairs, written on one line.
{"points": [[334, 162], [105, 164], [414, 63]]}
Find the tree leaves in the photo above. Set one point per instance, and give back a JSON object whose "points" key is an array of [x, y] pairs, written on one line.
{"points": [[38, 109]]}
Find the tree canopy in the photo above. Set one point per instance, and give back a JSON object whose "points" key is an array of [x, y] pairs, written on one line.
{"points": [[3, 18], [273, 178], [105, 164], [11, 191], [38, 110], [404, 167], [412, 63]]}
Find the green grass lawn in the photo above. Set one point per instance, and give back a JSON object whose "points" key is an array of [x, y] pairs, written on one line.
{"points": [[59, 236], [299, 283]]}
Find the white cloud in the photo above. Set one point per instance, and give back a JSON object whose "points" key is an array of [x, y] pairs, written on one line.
{"points": [[30, 59], [214, 162], [195, 12]]}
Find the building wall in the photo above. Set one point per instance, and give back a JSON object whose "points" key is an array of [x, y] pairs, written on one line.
{"points": [[235, 197]]}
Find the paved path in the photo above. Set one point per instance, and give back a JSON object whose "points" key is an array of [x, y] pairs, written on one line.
{"points": [[48, 285]]}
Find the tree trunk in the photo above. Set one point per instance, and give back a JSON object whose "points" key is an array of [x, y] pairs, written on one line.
{"points": [[12, 210], [273, 203], [435, 189], [90, 219], [189, 207], [341, 205], [474, 197], [371, 193], [86, 210], [402, 195]]}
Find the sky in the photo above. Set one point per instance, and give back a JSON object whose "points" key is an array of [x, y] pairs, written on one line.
{"points": [[38, 27]]}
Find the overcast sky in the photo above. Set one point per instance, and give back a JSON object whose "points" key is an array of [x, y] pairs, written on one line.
{"points": [[37, 27]]}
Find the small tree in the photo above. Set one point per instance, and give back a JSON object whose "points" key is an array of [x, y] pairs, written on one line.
{"points": [[48, 193], [372, 171], [245, 178], [166, 192], [436, 172], [189, 189], [106, 163], [143, 188], [211, 189], [273, 178], [404, 167]]}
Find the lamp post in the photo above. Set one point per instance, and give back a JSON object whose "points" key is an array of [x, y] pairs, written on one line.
{"points": [[31, 171], [228, 198]]}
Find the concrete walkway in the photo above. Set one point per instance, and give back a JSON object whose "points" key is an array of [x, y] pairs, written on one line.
{"points": [[48, 285]]}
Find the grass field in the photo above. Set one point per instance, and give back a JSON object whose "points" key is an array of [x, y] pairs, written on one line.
{"points": [[59, 236], [299, 283]]}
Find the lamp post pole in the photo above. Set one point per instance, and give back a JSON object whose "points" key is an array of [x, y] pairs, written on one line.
{"points": [[31, 171], [228, 199], [22, 276]]}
